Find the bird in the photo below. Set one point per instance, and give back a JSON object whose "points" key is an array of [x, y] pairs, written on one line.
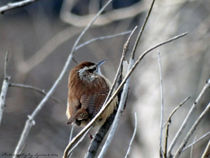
{"points": [[87, 92]]}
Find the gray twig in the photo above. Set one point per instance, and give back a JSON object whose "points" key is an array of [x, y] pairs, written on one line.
{"points": [[11, 6], [39, 90], [162, 105], [21, 142], [191, 131], [102, 38], [182, 127], [196, 141], [133, 136], [141, 57], [4, 88], [168, 122]]}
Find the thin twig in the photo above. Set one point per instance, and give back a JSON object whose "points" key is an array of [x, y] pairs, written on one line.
{"points": [[142, 29], [161, 106], [102, 38], [26, 130], [11, 6], [191, 131], [196, 141], [168, 122], [184, 123], [133, 136], [39, 90], [192, 147], [77, 137], [4, 88], [206, 152]]}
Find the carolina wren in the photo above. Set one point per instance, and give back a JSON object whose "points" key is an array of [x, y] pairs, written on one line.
{"points": [[87, 91]]}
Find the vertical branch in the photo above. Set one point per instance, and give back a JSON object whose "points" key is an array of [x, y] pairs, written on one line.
{"points": [[4, 88], [162, 106], [179, 132]]}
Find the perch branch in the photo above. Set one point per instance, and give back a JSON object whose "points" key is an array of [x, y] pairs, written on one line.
{"points": [[26, 130], [75, 139], [182, 127], [94, 145]]}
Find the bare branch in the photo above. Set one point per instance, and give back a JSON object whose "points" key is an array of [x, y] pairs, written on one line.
{"points": [[102, 38], [168, 122], [162, 106], [11, 6], [206, 152], [142, 29], [41, 91], [18, 149], [179, 132], [78, 136], [133, 136], [198, 140], [4, 88], [191, 131]]}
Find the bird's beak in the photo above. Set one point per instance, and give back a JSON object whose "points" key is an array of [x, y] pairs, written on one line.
{"points": [[98, 66]]}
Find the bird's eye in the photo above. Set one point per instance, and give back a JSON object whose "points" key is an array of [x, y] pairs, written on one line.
{"points": [[92, 69]]}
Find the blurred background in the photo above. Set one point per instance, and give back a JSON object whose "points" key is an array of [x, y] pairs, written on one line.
{"points": [[39, 37]]}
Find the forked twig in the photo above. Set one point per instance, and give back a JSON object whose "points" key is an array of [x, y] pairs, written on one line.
{"points": [[168, 122], [182, 127], [191, 131]]}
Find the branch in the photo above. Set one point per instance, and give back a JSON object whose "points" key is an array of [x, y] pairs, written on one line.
{"points": [[191, 131], [11, 6], [206, 152], [79, 135], [4, 88], [169, 122], [26, 129], [198, 140], [41, 91], [102, 38], [161, 107], [182, 127], [133, 136]]}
